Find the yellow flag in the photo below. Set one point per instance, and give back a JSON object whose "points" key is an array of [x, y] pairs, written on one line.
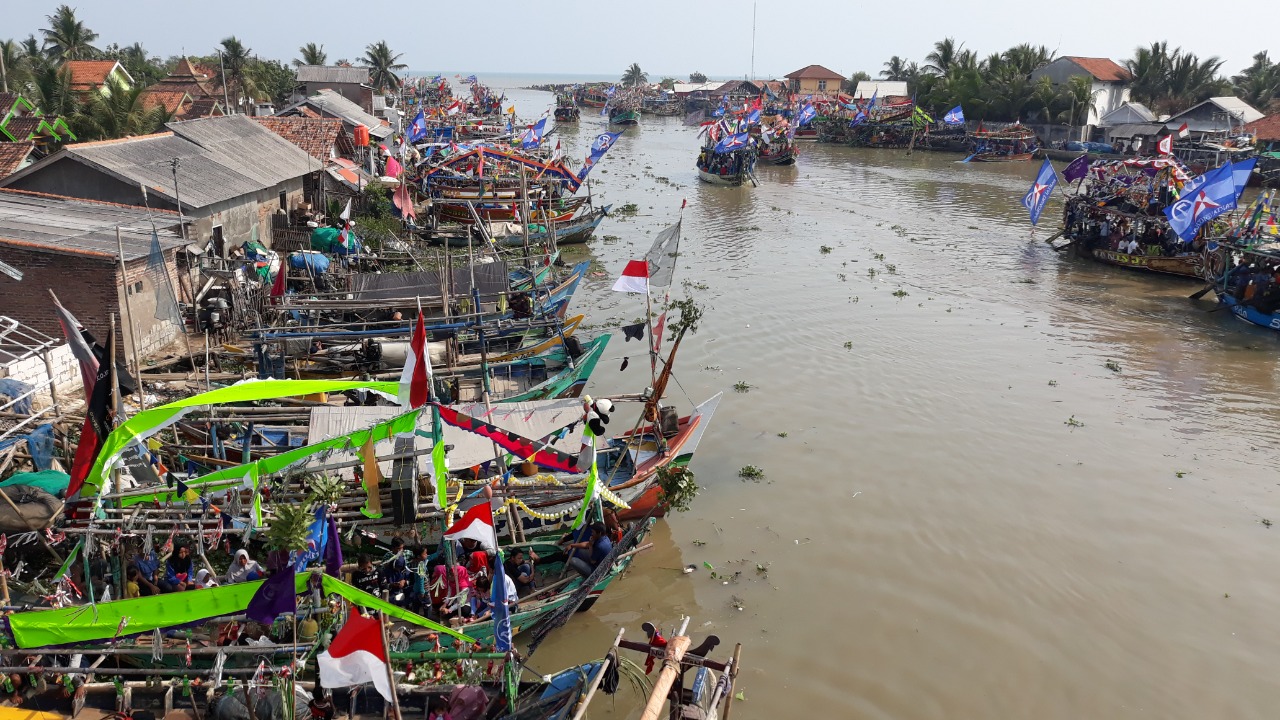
{"points": [[372, 476], [512, 110]]}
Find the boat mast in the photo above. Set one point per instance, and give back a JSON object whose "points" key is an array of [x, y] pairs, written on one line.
{"points": [[753, 41]]}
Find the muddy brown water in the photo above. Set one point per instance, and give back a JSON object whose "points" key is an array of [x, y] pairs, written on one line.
{"points": [[964, 511]]}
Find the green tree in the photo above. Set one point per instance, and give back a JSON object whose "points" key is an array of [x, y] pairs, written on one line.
{"points": [[1079, 100], [311, 54], [667, 83], [51, 89], [1192, 80], [143, 68], [697, 77], [634, 76], [67, 38], [16, 68], [1045, 98], [271, 79], [118, 112], [852, 83], [1257, 84], [31, 48], [383, 65], [943, 56], [1149, 70], [234, 63], [895, 68], [1027, 58]]}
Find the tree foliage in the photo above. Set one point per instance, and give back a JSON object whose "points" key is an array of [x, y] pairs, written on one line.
{"points": [[67, 38], [634, 76], [311, 54], [383, 64], [697, 77], [118, 111]]}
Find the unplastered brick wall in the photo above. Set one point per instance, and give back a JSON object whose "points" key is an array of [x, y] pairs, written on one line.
{"points": [[143, 287], [85, 284]]}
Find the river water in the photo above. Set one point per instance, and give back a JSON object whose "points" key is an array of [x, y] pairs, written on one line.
{"points": [[964, 511]]}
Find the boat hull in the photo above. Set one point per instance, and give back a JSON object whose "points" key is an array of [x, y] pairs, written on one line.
{"points": [[1250, 314], [999, 157], [1188, 266], [714, 179], [629, 117]]}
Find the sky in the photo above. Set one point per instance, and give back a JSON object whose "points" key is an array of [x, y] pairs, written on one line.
{"points": [[666, 37]]}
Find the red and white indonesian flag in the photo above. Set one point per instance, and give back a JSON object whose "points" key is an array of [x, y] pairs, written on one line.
{"points": [[455, 108], [356, 657], [635, 278], [475, 524], [415, 379], [1165, 146], [1184, 131]]}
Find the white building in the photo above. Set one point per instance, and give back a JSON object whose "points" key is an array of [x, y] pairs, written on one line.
{"points": [[1110, 82]]}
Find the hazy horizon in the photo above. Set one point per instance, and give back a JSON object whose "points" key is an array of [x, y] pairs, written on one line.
{"points": [[667, 38]]}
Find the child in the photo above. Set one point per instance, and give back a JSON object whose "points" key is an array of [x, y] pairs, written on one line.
{"points": [[438, 708]]}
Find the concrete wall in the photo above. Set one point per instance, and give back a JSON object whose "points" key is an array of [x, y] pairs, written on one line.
{"points": [[66, 376], [246, 218]]}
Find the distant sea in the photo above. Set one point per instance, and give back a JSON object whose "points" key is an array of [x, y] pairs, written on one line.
{"points": [[509, 80]]}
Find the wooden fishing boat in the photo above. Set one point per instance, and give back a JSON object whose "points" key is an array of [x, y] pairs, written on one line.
{"points": [[624, 116], [733, 168], [1187, 265], [593, 97], [567, 232], [1243, 277], [1015, 143], [778, 153], [567, 114], [1158, 250]]}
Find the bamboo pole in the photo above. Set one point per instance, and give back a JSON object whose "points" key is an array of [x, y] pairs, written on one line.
{"points": [[595, 681], [733, 680], [128, 311], [391, 675], [667, 676]]}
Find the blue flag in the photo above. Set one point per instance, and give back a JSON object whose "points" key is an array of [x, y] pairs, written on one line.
{"points": [[874, 93], [532, 137], [418, 128], [1213, 195], [731, 143], [858, 119], [501, 612], [1240, 173], [317, 539], [754, 117], [599, 147], [955, 117], [1036, 198], [807, 114]]}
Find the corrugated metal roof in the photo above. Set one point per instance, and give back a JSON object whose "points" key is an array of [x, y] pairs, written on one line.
{"points": [[219, 158], [333, 74], [58, 224], [330, 103], [1135, 129]]}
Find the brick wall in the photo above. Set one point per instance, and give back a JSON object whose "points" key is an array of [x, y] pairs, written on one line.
{"points": [[89, 287], [66, 376]]}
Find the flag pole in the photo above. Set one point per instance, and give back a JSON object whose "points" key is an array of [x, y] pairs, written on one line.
{"points": [[391, 675]]}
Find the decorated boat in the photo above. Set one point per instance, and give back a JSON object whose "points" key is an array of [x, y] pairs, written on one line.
{"points": [[732, 167], [1014, 143]]}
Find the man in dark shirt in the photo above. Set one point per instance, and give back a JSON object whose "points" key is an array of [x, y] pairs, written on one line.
{"points": [[591, 552]]}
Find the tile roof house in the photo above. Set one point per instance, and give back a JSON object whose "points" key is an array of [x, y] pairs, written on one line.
{"points": [[15, 156], [815, 79], [1265, 130], [1216, 115], [51, 239], [321, 138], [232, 174], [327, 103], [89, 75], [188, 78], [20, 120], [1109, 81], [173, 101]]}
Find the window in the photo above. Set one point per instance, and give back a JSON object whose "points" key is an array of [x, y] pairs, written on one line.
{"points": [[219, 245], [822, 86], [284, 201]]}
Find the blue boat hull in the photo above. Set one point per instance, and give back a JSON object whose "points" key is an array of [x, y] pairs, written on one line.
{"points": [[1250, 314]]}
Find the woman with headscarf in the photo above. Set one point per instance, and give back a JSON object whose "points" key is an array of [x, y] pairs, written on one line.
{"points": [[243, 569], [204, 579]]}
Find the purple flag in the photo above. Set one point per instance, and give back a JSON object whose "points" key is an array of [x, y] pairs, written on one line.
{"points": [[1077, 169], [275, 597], [333, 551]]}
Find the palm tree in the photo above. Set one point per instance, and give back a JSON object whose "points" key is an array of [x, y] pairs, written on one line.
{"points": [[51, 88], [14, 62], [1259, 83], [383, 65], [312, 54], [1149, 68], [67, 38], [1192, 80], [1045, 98], [1078, 95], [634, 76], [895, 68], [1027, 58], [31, 48], [119, 112], [943, 56], [235, 58]]}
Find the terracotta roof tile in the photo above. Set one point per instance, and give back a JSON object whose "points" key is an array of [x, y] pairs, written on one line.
{"points": [[86, 74], [12, 155], [1267, 129], [171, 100], [1102, 69], [815, 72], [318, 136], [20, 128], [203, 108], [6, 103]]}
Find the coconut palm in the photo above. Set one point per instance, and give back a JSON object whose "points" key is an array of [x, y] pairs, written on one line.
{"points": [[895, 68], [1149, 68], [383, 64], [235, 61], [1191, 80], [67, 38], [1027, 58], [943, 56], [51, 88], [311, 54], [634, 76], [1078, 96], [14, 62], [1259, 83], [119, 112]]}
